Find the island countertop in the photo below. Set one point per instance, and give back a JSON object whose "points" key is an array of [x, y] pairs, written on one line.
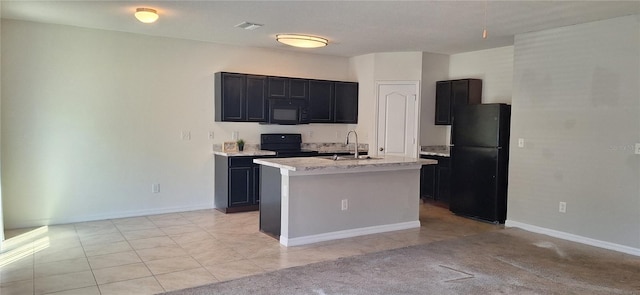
{"points": [[318, 164]]}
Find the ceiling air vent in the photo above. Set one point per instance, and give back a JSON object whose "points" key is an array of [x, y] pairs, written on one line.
{"points": [[248, 26]]}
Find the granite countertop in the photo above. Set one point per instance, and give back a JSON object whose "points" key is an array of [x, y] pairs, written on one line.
{"points": [[435, 150], [327, 148], [249, 150], [325, 163]]}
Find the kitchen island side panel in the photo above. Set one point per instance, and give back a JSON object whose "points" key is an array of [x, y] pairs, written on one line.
{"points": [[373, 199], [270, 202]]}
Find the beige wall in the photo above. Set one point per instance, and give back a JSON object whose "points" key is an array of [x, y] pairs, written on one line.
{"points": [[493, 66], [91, 119], [371, 68], [435, 67], [576, 104]]}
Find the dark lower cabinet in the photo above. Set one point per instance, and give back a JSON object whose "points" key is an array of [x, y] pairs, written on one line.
{"points": [[237, 184], [435, 180]]}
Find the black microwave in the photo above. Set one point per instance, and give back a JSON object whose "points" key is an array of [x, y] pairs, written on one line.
{"points": [[287, 111]]}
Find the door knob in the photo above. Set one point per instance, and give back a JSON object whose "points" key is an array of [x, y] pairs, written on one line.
{"points": [[381, 149]]}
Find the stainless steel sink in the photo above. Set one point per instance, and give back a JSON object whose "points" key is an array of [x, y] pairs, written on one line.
{"points": [[349, 158]]}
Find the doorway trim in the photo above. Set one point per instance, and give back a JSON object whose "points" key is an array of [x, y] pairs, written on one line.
{"points": [[415, 83]]}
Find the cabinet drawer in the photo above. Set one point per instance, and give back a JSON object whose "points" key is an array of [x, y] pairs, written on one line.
{"points": [[241, 161]]}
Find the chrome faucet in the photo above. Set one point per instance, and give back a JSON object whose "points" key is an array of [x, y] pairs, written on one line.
{"points": [[356, 148]]}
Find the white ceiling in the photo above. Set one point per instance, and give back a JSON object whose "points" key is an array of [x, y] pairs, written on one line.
{"points": [[352, 27]]}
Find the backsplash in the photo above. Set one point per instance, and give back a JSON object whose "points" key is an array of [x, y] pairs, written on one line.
{"points": [[324, 147], [332, 147]]}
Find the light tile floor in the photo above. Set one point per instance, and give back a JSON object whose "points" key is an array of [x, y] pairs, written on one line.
{"points": [[157, 253]]}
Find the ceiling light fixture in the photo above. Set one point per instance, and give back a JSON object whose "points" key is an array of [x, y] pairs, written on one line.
{"points": [[146, 15], [302, 41], [484, 24]]}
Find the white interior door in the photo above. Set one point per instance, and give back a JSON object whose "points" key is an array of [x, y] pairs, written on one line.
{"points": [[398, 121]]}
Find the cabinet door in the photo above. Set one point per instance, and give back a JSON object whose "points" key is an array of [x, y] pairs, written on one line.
{"points": [[444, 184], [428, 181], [256, 97], [459, 92], [466, 91], [443, 103], [232, 94], [277, 87], [240, 186], [299, 88], [321, 102], [346, 102]]}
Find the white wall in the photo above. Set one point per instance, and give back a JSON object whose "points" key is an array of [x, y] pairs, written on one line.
{"points": [[576, 103], [91, 118]]}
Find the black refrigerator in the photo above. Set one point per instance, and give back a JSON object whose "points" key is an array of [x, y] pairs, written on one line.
{"points": [[479, 161]]}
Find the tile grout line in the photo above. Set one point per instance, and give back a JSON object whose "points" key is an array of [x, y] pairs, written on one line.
{"points": [[86, 257], [136, 251]]}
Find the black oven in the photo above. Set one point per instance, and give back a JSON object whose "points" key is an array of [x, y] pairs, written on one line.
{"points": [[287, 111], [285, 145]]}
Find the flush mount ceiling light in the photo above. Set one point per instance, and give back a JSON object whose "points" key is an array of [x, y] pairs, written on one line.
{"points": [[302, 41], [146, 15]]}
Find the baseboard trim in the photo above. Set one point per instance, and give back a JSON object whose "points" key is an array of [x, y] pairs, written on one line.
{"points": [[342, 234], [113, 215], [573, 238]]}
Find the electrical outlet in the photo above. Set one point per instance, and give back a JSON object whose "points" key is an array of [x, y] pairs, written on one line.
{"points": [[521, 142], [562, 207], [345, 205], [155, 188], [235, 135], [185, 135], [310, 134], [637, 148], [210, 134]]}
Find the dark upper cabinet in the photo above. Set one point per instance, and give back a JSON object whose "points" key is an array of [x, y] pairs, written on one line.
{"points": [[230, 88], [256, 98], [346, 102], [321, 101], [282, 87], [240, 97], [333, 102], [443, 103], [298, 88], [455, 92], [278, 87], [244, 98]]}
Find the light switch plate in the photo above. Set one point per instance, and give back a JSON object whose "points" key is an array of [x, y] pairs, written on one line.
{"points": [[521, 142]]}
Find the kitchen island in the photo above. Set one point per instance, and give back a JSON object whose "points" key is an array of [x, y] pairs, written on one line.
{"points": [[309, 200]]}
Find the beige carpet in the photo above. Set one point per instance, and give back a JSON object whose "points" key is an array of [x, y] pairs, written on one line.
{"points": [[509, 261]]}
